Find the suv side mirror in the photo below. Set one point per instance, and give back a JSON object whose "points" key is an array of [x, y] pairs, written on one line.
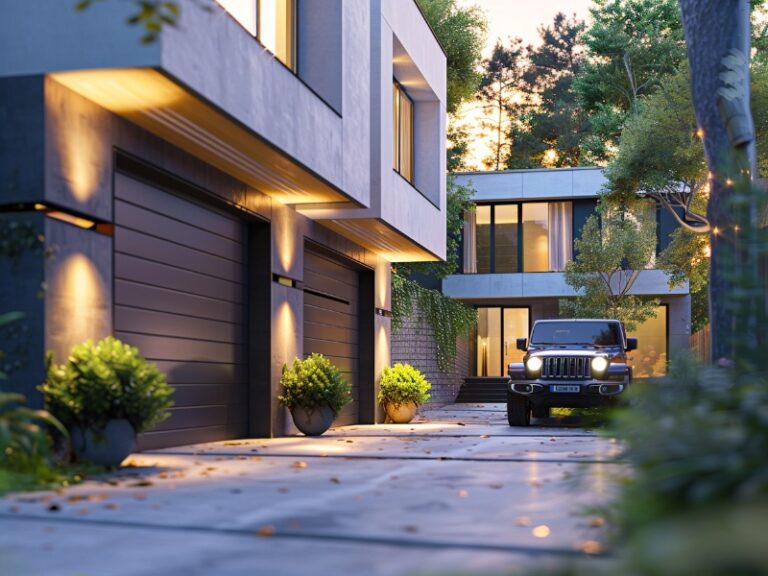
{"points": [[522, 344], [631, 344]]}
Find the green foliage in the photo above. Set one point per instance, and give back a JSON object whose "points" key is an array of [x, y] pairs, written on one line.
{"points": [[312, 383], [18, 238], [610, 255], [461, 32], [501, 83], [152, 15], [25, 444], [403, 383], [630, 46], [550, 118], [448, 318], [104, 381], [458, 202]]}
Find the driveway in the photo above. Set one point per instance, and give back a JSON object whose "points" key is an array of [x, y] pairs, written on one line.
{"points": [[457, 491]]}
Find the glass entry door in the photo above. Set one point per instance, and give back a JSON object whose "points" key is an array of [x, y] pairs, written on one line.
{"points": [[497, 331]]}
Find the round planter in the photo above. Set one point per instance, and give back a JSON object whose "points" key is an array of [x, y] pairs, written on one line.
{"points": [[401, 413], [312, 422], [107, 447]]}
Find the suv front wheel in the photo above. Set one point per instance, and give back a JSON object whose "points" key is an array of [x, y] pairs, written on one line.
{"points": [[518, 410]]}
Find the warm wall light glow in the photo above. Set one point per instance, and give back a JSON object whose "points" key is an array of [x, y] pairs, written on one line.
{"points": [[383, 284], [76, 302], [285, 239], [700, 133], [286, 332]]}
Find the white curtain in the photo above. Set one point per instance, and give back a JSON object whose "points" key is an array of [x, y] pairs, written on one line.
{"points": [[560, 235], [470, 242]]}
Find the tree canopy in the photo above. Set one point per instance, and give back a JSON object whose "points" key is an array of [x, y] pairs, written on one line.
{"points": [[609, 256]]}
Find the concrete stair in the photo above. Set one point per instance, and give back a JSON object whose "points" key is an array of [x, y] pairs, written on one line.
{"points": [[491, 389]]}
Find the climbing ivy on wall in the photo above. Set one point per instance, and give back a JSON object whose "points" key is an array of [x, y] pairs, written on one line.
{"points": [[448, 318]]}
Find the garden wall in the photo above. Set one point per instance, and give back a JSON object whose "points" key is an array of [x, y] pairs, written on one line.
{"points": [[414, 343]]}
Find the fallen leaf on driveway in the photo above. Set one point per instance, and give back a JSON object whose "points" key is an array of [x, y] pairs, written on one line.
{"points": [[335, 480], [497, 486], [590, 547], [112, 506], [141, 484], [266, 531], [523, 521], [299, 464], [462, 493], [485, 436], [54, 508], [411, 529], [97, 497], [460, 424], [597, 522], [283, 490]]}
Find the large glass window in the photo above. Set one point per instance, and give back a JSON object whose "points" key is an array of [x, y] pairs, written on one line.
{"points": [[525, 237], [536, 237], [497, 331], [506, 231], [277, 29], [650, 358], [402, 125], [273, 22]]}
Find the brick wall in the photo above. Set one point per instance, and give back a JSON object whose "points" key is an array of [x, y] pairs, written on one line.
{"points": [[414, 344]]}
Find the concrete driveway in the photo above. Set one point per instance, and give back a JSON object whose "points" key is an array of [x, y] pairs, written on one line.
{"points": [[456, 492]]}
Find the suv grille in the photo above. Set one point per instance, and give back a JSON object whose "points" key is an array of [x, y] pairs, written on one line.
{"points": [[567, 367]]}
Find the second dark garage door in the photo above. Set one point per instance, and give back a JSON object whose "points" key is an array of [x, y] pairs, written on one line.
{"points": [[331, 320], [180, 298]]}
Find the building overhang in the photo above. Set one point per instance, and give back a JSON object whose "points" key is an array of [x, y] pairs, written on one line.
{"points": [[165, 107]]}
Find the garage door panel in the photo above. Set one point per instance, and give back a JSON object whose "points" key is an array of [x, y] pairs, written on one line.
{"points": [[166, 299], [335, 349], [193, 416], [155, 440], [167, 228], [176, 255], [180, 372], [203, 217], [163, 348], [331, 286], [332, 333], [347, 309], [179, 298], [165, 324], [154, 274], [206, 394], [325, 317], [321, 266]]}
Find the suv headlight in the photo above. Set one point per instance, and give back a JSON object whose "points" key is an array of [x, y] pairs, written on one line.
{"points": [[534, 364], [599, 364]]}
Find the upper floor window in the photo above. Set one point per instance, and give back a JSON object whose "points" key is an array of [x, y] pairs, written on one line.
{"points": [[519, 237], [273, 22], [402, 126]]}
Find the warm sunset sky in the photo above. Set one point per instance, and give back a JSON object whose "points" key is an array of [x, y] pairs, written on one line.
{"points": [[516, 18]]}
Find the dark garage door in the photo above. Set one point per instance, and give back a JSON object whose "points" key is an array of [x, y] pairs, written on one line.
{"points": [[331, 312], [179, 298]]}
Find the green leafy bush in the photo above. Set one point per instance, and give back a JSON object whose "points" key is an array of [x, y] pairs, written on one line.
{"points": [[403, 383], [312, 383], [25, 444], [104, 381]]}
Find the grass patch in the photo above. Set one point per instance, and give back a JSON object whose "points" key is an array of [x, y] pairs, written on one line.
{"points": [[60, 476]]}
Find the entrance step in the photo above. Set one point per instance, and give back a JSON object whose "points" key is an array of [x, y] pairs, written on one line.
{"points": [[490, 389]]}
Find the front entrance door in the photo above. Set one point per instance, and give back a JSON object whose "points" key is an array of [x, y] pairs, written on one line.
{"points": [[497, 330]]}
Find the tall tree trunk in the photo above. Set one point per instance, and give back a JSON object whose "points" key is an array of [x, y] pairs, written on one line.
{"points": [[715, 29]]}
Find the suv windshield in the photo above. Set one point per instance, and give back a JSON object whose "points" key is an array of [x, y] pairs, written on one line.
{"points": [[595, 333]]}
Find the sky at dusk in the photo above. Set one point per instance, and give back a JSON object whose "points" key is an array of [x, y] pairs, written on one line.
{"points": [[516, 18], [522, 18]]}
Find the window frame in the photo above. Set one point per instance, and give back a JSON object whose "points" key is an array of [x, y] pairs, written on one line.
{"points": [[492, 206], [476, 368], [293, 65], [397, 137]]}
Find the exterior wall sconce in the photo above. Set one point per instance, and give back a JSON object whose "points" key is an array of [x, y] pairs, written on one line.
{"points": [[384, 313], [64, 215], [284, 280]]}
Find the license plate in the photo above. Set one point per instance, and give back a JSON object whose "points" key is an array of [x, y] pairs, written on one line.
{"points": [[563, 388]]}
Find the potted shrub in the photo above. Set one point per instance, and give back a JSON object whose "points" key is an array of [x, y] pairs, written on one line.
{"points": [[105, 394], [403, 388], [315, 392]]}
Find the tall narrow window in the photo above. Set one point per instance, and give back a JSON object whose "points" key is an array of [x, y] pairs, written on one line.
{"points": [[536, 237], [402, 123], [483, 243], [277, 29], [505, 230]]}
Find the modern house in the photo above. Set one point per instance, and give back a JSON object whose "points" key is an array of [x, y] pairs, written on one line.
{"points": [[516, 245], [225, 198]]}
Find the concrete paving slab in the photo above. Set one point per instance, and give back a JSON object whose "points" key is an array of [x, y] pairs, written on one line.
{"points": [[473, 500]]}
